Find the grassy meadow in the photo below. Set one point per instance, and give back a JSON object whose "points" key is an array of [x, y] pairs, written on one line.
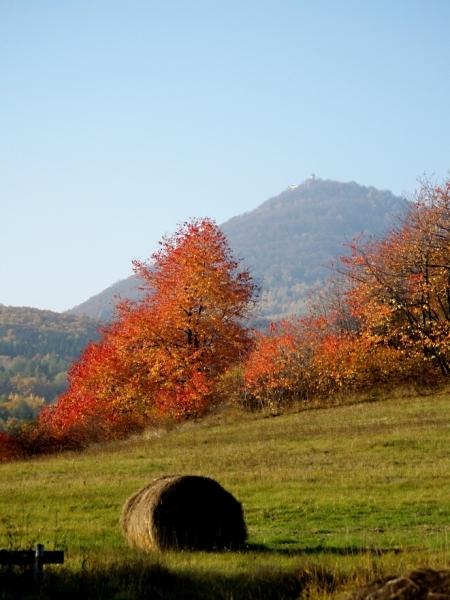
{"points": [[333, 497]]}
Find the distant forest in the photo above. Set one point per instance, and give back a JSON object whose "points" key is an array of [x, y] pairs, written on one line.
{"points": [[36, 349]]}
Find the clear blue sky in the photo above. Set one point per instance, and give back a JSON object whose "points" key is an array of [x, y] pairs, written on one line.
{"points": [[120, 119]]}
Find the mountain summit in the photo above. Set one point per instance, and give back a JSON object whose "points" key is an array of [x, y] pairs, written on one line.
{"points": [[288, 242]]}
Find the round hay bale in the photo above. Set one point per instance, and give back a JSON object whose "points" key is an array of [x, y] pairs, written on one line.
{"points": [[184, 512]]}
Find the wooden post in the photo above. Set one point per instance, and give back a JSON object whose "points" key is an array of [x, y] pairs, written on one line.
{"points": [[33, 559], [38, 567]]}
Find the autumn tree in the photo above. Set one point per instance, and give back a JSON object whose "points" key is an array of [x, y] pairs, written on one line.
{"points": [[402, 283], [275, 370], [164, 354]]}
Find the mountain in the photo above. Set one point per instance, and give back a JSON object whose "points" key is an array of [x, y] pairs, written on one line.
{"points": [[101, 306], [288, 242]]}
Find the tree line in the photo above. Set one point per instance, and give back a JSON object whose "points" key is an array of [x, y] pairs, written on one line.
{"points": [[382, 319]]}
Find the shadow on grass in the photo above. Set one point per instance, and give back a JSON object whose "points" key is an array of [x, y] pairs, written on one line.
{"points": [[144, 581], [140, 579], [320, 549]]}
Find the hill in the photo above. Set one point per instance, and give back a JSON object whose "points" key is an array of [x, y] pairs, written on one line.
{"points": [[332, 498], [36, 348], [288, 242]]}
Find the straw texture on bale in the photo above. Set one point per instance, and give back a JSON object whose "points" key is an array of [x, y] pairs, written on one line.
{"points": [[185, 512], [422, 583]]}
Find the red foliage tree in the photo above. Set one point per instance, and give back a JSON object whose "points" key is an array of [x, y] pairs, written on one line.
{"points": [[164, 354]]}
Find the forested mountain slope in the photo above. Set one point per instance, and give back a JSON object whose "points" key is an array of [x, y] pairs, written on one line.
{"points": [[36, 348]]}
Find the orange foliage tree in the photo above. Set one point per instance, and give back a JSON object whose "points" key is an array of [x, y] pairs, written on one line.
{"points": [[275, 370], [347, 354], [317, 356], [402, 283], [302, 359], [164, 354], [383, 318]]}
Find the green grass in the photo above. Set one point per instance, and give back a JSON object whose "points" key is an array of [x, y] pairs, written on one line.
{"points": [[332, 497]]}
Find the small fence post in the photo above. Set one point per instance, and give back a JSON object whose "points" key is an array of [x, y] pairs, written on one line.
{"points": [[33, 559], [38, 567]]}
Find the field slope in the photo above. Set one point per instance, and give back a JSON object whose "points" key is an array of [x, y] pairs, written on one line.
{"points": [[332, 497]]}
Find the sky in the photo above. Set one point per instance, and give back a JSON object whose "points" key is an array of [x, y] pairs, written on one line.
{"points": [[119, 120]]}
